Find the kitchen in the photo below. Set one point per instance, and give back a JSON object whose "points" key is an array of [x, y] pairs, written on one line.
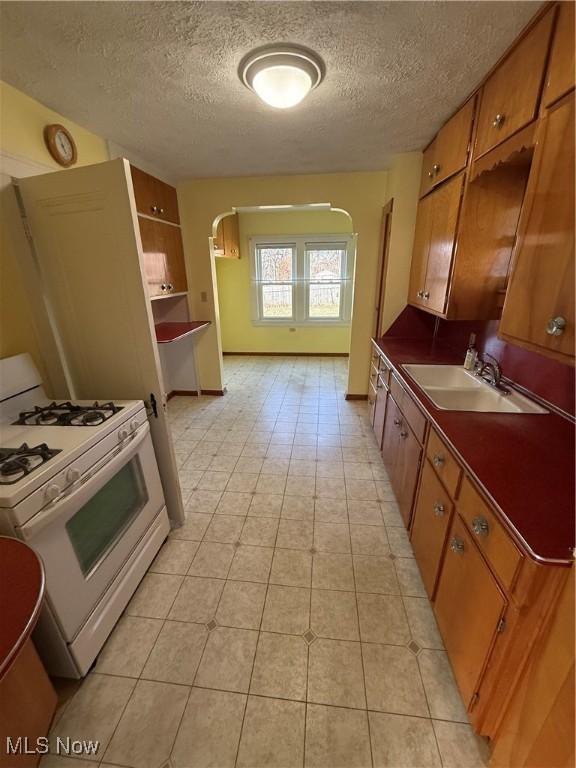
{"points": [[215, 537]]}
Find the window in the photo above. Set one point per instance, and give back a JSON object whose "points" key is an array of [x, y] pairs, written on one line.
{"points": [[302, 280]]}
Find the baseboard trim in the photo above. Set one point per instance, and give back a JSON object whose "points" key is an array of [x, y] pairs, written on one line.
{"points": [[214, 392], [350, 396], [289, 354], [194, 393]]}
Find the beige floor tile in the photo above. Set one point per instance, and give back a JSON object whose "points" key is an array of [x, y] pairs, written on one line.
{"points": [[95, 711], [155, 595], [335, 673], [250, 465], [197, 600], [364, 490], [128, 646], [148, 727], [443, 696], [336, 738], [383, 619], [251, 564], [303, 452], [332, 537], [354, 470], [259, 531], [330, 571], [393, 681], [176, 654], [391, 514], [214, 481], [268, 484], [279, 451], [234, 503], [175, 557], [403, 742], [422, 623], [227, 660], [223, 463], [364, 513], [210, 730], [300, 486], [273, 734], [330, 488], [291, 568], [295, 534], [273, 466], [202, 502], [409, 577], [287, 610], [334, 615], [375, 574], [281, 666], [298, 508], [369, 540], [399, 542], [241, 605], [212, 560], [225, 529], [193, 529], [459, 746], [331, 511], [242, 482], [266, 505], [302, 468], [330, 469]]}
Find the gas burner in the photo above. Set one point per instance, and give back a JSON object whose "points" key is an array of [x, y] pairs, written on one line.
{"points": [[16, 463], [68, 415]]}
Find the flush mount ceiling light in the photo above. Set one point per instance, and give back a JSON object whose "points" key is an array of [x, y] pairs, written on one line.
{"points": [[281, 75]]}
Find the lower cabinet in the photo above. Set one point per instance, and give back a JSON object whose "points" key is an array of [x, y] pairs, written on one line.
{"points": [[469, 606], [401, 453]]}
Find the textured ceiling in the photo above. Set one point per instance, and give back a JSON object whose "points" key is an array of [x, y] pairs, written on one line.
{"points": [[161, 78]]}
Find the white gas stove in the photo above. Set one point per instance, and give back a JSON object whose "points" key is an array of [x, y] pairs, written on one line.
{"points": [[79, 483]]}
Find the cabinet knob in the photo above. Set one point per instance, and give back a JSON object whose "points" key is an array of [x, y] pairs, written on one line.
{"points": [[498, 121], [161, 210], [170, 286], [430, 174], [439, 509], [163, 286], [397, 422], [438, 460], [425, 295], [480, 526], [154, 208], [436, 169], [556, 326], [403, 434], [457, 546]]}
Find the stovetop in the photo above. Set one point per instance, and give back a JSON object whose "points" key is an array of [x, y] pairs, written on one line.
{"points": [[16, 463], [67, 414]]}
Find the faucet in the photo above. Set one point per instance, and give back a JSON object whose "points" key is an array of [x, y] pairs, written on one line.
{"points": [[488, 369]]}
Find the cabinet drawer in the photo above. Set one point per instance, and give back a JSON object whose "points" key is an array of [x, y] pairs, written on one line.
{"points": [[510, 95], [448, 153], [446, 466], [432, 515], [489, 533], [410, 410]]}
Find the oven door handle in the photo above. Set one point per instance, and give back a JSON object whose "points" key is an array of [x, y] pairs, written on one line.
{"points": [[84, 490]]}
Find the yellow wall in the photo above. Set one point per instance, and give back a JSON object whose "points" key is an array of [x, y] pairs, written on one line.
{"points": [[234, 288], [22, 120]]}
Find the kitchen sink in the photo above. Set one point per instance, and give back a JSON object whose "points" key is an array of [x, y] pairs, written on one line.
{"points": [[452, 388]]}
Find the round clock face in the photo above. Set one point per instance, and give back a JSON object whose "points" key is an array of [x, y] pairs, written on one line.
{"points": [[64, 146], [60, 144]]}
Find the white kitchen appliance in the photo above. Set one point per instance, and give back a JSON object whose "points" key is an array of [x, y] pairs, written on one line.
{"points": [[79, 483]]}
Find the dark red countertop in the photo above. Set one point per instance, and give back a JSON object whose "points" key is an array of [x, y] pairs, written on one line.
{"points": [[525, 462], [167, 332], [21, 594]]}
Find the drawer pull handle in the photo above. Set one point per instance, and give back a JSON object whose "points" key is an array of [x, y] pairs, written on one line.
{"points": [[436, 169], [403, 435], [498, 121], [439, 509], [438, 460], [397, 422], [426, 295], [430, 174], [555, 326], [457, 546], [480, 526]]}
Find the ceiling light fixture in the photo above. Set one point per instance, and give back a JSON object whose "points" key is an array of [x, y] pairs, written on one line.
{"points": [[281, 75]]}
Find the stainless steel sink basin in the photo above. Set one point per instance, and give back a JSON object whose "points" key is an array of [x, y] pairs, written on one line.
{"points": [[452, 388]]}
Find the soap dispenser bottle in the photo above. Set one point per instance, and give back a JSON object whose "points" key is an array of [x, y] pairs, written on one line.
{"points": [[472, 354]]}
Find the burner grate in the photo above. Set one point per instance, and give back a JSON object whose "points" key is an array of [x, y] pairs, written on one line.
{"points": [[16, 463], [68, 415]]}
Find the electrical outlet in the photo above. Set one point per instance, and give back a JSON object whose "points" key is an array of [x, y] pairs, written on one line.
{"points": [[292, 330]]}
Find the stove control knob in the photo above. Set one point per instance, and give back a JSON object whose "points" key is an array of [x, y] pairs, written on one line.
{"points": [[122, 435], [73, 475], [52, 492], [134, 425]]}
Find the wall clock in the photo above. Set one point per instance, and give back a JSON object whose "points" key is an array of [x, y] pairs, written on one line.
{"points": [[60, 144]]}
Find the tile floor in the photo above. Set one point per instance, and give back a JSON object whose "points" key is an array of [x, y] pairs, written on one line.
{"points": [[285, 624]]}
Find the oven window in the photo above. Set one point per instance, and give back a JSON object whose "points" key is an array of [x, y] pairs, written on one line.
{"points": [[95, 527]]}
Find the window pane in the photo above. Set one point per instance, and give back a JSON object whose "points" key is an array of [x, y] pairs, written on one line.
{"points": [[275, 263], [325, 263], [324, 300], [276, 301]]}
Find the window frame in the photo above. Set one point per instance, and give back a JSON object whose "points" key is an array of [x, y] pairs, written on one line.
{"points": [[301, 279]]}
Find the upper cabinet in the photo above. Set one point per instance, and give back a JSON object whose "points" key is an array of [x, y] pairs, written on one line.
{"points": [[510, 96], [560, 77], [154, 197], [227, 240]]}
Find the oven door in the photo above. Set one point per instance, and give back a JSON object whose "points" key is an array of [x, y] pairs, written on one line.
{"points": [[85, 537]]}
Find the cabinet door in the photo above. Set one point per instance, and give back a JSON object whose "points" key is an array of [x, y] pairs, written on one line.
{"points": [[427, 179], [452, 143], [406, 471], [468, 608], [446, 206], [432, 514], [154, 197], [372, 401], [420, 252], [510, 95], [174, 256], [391, 440], [154, 261], [380, 411], [539, 306], [560, 77]]}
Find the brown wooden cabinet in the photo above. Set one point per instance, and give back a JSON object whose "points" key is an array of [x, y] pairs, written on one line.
{"points": [[420, 251], [539, 306], [227, 240], [468, 608], [154, 197], [448, 153], [380, 410], [163, 257], [560, 75], [510, 96]]}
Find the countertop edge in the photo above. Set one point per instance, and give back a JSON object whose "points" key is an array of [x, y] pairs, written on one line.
{"points": [[201, 324]]}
